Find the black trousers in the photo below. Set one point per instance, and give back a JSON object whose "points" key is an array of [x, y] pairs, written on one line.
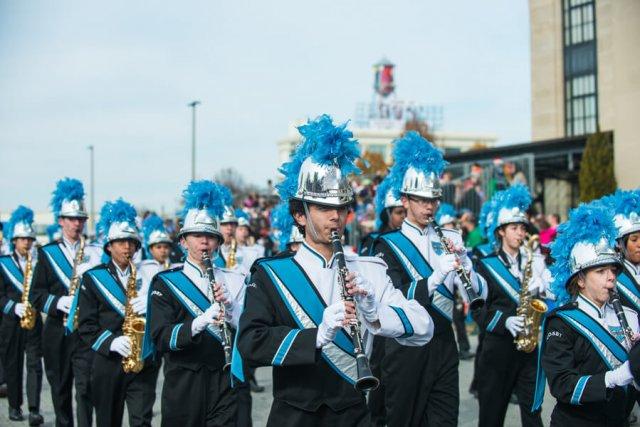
{"points": [[197, 397], [478, 316], [243, 393], [111, 387], [14, 343], [283, 414], [422, 383], [67, 357], [461, 327], [375, 400], [503, 370]]}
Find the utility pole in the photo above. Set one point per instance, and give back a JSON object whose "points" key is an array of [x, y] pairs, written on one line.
{"points": [[193, 106]]}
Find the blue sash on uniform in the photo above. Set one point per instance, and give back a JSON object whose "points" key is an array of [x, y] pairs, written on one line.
{"points": [[418, 268], [485, 249], [611, 351], [306, 307], [13, 272], [59, 262], [627, 287], [219, 261], [507, 281]]}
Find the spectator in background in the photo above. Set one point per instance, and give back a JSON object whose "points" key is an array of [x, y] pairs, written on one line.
{"points": [[472, 195], [548, 228], [448, 189], [470, 231]]}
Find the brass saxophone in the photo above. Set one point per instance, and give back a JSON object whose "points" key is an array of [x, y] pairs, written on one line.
{"points": [[28, 321], [133, 327], [74, 283], [231, 258], [531, 309]]}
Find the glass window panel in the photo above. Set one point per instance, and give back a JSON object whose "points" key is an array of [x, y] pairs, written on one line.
{"points": [[576, 17], [578, 125], [590, 125], [587, 34], [591, 105], [587, 15], [578, 108]]}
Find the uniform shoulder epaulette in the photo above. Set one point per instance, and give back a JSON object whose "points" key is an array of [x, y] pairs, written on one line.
{"points": [[280, 255], [97, 267], [387, 232], [53, 243], [568, 306], [169, 270], [451, 230]]}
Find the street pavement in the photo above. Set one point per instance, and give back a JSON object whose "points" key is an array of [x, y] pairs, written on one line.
{"points": [[262, 402]]}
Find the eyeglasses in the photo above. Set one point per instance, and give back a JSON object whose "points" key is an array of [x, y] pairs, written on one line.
{"points": [[423, 201]]}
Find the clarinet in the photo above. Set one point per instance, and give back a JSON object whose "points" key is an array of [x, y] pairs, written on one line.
{"points": [[475, 301], [614, 299], [365, 380], [225, 333]]}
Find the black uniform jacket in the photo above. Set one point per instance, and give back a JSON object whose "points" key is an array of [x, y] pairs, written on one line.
{"points": [[575, 373], [170, 328]]}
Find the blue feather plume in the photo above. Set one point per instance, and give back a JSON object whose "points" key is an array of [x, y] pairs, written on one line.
{"points": [[151, 224], [206, 195], [282, 221], [381, 194], [414, 150], [587, 223], [486, 215], [66, 189], [445, 209], [116, 211], [327, 144], [21, 214], [514, 196], [227, 197], [241, 214], [623, 202]]}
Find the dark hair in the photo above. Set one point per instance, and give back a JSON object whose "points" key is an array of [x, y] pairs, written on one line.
{"points": [[296, 207], [573, 288]]}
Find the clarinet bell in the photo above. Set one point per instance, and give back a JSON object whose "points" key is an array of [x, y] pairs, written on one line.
{"points": [[476, 303], [366, 380]]}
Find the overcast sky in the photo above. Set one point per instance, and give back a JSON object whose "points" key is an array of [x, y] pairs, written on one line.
{"points": [[118, 75]]}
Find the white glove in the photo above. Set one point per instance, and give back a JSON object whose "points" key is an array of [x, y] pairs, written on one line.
{"points": [[466, 261], [121, 345], [331, 321], [444, 265], [20, 309], [621, 376], [366, 304], [514, 324], [64, 304], [139, 304], [205, 319]]}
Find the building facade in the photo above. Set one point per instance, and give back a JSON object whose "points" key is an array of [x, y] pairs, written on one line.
{"points": [[585, 74]]}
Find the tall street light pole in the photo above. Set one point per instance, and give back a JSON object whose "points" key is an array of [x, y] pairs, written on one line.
{"points": [[92, 217], [193, 106]]}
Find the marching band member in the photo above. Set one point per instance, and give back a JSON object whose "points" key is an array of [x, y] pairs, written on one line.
{"points": [[232, 254], [626, 207], [157, 244], [16, 273], [185, 319], [389, 215], [252, 250], [505, 369], [421, 268], [294, 314], [111, 300], [584, 349], [288, 236], [55, 291]]}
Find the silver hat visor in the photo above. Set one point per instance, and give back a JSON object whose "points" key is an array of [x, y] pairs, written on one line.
{"points": [[627, 224], [73, 209], [323, 185], [200, 221], [586, 255], [512, 215], [158, 236], [420, 184], [23, 229]]}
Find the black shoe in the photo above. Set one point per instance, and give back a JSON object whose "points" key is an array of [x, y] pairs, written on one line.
{"points": [[35, 419], [466, 355], [15, 414], [3, 390], [255, 387]]}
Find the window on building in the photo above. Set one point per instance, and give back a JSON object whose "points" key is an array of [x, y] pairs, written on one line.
{"points": [[580, 67]]}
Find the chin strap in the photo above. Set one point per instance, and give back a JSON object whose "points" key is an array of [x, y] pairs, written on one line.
{"points": [[309, 222]]}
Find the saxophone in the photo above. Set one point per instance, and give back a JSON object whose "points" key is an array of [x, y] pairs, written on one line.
{"points": [[231, 258], [531, 309], [74, 283], [28, 321], [133, 327]]}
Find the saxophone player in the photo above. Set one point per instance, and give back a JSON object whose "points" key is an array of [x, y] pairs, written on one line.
{"points": [[295, 318], [55, 286], [420, 267], [503, 369], [106, 292], [584, 349], [185, 319], [16, 273]]}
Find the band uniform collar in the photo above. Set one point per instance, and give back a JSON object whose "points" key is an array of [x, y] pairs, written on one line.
{"points": [[306, 255], [590, 307]]}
